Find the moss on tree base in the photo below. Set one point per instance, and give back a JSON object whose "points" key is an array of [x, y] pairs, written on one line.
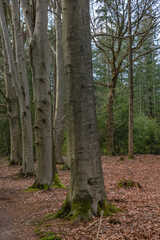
{"points": [[57, 182], [80, 209], [37, 186]]}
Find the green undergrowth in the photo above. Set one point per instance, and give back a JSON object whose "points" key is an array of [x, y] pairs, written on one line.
{"points": [[128, 184]]}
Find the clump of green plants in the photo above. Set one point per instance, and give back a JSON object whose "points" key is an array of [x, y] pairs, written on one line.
{"points": [[129, 184]]}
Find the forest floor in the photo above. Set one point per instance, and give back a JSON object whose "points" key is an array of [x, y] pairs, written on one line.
{"points": [[139, 219]]}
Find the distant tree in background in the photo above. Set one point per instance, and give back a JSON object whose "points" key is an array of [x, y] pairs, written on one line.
{"points": [[110, 37]]}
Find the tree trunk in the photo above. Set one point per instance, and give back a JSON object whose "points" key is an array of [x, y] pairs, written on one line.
{"points": [[27, 165], [25, 111], [12, 107], [130, 133], [87, 194], [110, 117], [40, 57], [59, 103]]}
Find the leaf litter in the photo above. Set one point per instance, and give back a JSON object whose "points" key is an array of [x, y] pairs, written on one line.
{"points": [[139, 219]]}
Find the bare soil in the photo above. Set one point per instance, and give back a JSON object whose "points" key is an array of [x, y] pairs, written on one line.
{"points": [[139, 219]]}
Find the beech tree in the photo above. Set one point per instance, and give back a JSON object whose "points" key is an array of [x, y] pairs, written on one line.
{"points": [[36, 17], [87, 194], [58, 123], [12, 112], [19, 79]]}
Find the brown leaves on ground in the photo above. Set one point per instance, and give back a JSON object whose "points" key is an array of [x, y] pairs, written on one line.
{"points": [[139, 219]]}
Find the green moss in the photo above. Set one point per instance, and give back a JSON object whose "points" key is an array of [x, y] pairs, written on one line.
{"points": [[51, 238], [64, 210], [30, 189], [130, 157], [107, 208], [57, 183], [128, 184], [81, 209], [44, 235]]}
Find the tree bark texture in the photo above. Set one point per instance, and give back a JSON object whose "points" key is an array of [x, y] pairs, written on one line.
{"points": [[40, 57], [27, 163], [87, 194], [25, 110], [59, 103], [12, 109]]}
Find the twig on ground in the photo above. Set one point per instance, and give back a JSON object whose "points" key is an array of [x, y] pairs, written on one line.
{"points": [[100, 222]]}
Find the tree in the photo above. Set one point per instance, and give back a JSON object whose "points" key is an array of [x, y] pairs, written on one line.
{"points": [[59, 91], [87, 194], [110, 35], [130, 128], [22, 92], [12, 112], [36, 16]]}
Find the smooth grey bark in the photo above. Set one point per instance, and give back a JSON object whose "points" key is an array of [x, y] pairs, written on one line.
{"points": [[86, 190], [27, 151], [12, 112], [58, 122], [25, 110], [40, 57]]}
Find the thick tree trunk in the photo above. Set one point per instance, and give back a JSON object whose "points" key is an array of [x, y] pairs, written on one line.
{"points": [[59, 103], [25, 111], [87, 194], [40, 56]]}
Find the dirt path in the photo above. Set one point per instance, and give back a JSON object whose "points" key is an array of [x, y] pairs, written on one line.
{"points": [[6, 225]]}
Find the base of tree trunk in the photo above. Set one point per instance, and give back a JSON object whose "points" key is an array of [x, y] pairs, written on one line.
{"points": [[131, 157], [81, 209], [13, 163], [56, 183], [26, 174]]}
